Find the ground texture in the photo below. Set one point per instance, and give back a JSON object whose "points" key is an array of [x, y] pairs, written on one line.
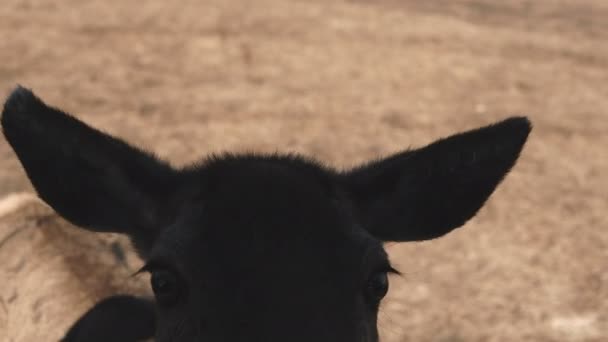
{"points": [[343, 81]]}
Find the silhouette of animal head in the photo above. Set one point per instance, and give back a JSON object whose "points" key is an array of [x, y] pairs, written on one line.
{"points": [[253, 247]]}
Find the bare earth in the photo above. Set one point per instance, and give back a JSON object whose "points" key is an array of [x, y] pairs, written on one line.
{"points": [[343, 81]]}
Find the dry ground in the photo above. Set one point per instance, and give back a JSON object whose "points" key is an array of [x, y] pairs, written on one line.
{"points": [[343, 81]]}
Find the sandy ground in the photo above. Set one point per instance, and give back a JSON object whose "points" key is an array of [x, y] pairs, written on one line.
{"points": [[343, 81]]}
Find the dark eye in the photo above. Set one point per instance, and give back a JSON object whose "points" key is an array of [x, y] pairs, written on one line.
{"points": [[377, 286], [165, 287]]}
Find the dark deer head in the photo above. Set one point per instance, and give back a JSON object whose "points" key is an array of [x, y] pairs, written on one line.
{"points": [[251, 247]]}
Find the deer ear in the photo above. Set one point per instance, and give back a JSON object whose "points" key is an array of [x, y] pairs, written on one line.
{"points": [[425, 193], [90, 178]]}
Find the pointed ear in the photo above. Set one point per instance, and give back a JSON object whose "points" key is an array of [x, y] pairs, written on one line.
{"points": [[90, 178], [425, 193]]}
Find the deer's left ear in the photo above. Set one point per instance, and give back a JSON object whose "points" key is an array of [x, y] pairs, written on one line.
{"points": [[425, 193]]}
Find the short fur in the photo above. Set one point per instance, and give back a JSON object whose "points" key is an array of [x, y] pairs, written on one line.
{"points": [[252, 247]]}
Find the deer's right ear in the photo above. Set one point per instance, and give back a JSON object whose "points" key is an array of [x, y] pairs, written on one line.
{"points": [[90, 178]]}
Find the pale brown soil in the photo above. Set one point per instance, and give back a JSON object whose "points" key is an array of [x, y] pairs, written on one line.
{"points": [[343, 81]]}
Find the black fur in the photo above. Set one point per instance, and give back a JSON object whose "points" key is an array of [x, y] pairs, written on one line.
{"points": [[116, 319], [254, 247], [437, 188]]}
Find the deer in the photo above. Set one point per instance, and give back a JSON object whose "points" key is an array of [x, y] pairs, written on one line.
{"points": [[253, 247]]}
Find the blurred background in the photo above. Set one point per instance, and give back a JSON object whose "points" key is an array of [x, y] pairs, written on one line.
{"points": [[343, 81]]}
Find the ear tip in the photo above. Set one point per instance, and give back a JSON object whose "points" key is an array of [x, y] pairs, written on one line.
{"points": [[21, 101], [519, 123], [519, 127]]}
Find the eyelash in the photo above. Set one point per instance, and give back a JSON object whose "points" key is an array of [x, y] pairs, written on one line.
{"points": [[391, 270], [152, 266]]}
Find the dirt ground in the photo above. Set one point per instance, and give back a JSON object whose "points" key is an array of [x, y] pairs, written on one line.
{"points": [[343, 81]]}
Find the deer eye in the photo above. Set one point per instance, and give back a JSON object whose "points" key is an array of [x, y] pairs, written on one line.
{"points": [[377, 286], [165, 286]]}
